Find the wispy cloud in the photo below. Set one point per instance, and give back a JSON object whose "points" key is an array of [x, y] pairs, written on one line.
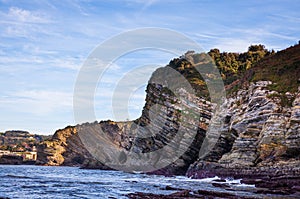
{"points": [[71, 63], [19, 22], [37, 102], [285, 17], [25, 16], [263, 33], [233, 44], [44, 43], [38, 62]]}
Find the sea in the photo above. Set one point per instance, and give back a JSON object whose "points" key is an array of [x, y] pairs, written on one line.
{"points": [[24, 181]]}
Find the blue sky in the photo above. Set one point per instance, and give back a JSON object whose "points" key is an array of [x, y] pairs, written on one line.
{"points": [[43, 44]]}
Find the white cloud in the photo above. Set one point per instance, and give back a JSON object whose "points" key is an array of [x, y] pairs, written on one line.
{"points": [[239, 39], [33, 61], [34, 49], [26, 16], [37, 102], [205, 35], [18, 59], [145, 2], [80, 8], [285, 18], [261, 33], [233, 44], [148, 4], [67, 63], [19, 22], [16, 31]]}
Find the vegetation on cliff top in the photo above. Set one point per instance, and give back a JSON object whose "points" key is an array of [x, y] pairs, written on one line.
{"points": [[282, 68], [238, 69]]}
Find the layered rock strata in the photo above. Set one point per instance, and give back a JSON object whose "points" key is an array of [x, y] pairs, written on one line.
{"points": [[264, 139], [258, 137]]}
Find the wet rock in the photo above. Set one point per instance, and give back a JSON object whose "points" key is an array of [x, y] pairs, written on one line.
{"points": [[171, 188], [219, 180], [220, 185], [187, 194]]}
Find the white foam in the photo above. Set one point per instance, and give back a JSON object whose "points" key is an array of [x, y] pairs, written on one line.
{"points": [[237, 182], [209, 179]]}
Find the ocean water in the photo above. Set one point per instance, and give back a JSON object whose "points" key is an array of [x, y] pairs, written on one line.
{"points": [[71, 182]]}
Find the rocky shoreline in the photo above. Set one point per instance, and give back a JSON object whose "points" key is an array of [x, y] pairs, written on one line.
{"points": [[282, 180], [15, 160], [267, 182], [187, 194], [226, 190], [257, 137]]}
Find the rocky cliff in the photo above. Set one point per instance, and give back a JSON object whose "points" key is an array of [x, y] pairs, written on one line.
{"points": [[66, 149], [260, 136], [258, 133], [161, 121]]}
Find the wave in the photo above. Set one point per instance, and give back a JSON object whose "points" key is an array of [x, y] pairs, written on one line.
{"points": [[237, 182], [16, 176], [32, 186]]}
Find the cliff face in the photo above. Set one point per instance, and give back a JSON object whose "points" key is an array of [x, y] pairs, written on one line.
{"points": [[63, 149], [161, 121], [158, 124], [262, 139], [260, 129]]}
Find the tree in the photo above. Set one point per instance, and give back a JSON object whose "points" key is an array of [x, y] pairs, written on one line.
{"points": [[254, 48]]}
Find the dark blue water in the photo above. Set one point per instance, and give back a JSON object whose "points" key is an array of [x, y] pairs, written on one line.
{"points": [[70, 182]]}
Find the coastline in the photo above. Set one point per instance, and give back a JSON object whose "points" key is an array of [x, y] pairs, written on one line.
{"points": [[126, 185], [281, 182]]}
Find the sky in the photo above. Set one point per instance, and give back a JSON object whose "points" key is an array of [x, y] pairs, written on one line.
{"points": [[43, 45]]}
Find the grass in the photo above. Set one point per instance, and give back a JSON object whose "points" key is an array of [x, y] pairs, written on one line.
{"points": [[283, 69]]}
